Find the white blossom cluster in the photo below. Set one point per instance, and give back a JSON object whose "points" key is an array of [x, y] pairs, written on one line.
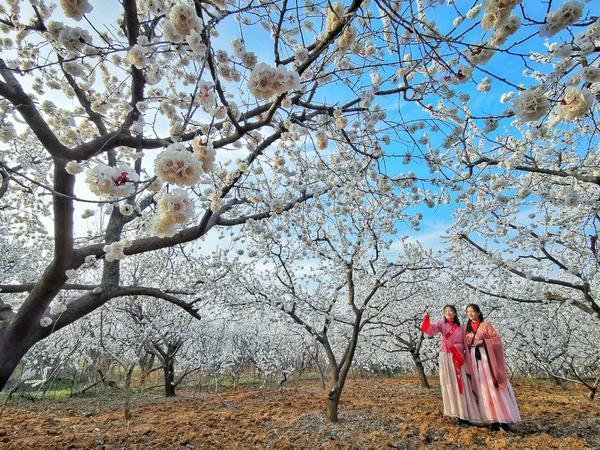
{"points": [[247, 58], [173, 208], [74, 167], [568, 13], [205, 96], [69, 40], [531, 104], [138, 56], [178, 166], [111, 182], [114, 251], [203, 148], [182, 22], [497, 12], [75, 9], [266, 82], [575, 104]]}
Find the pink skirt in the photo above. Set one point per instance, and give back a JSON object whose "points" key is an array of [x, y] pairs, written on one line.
{"points": [[463, 406], [495, 404]]}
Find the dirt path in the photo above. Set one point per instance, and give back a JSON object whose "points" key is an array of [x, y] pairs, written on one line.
{"points": [[375, 413]]}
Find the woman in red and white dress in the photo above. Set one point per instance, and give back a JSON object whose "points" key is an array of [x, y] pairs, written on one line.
{"points": [[457, 394], [487, 368]]}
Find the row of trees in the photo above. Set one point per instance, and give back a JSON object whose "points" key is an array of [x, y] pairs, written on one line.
{"points": [[135, 142]]}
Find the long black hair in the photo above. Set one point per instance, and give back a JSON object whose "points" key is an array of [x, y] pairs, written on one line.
{"points": [[477, 310], [453, 308]]}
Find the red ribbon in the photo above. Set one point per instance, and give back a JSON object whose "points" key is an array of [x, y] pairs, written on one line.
{"points": [[458, 361], [425, 324]]}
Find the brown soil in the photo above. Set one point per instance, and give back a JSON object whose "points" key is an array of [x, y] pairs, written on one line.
{"points": [[375, 413]]}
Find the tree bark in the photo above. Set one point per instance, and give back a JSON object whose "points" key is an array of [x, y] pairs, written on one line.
{"points": [[169, 376], [420, 371], [11, 352], [333, 402]]}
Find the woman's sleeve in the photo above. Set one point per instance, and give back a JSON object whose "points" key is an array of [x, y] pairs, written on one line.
{"points": [[430, 328], [495, 351]]}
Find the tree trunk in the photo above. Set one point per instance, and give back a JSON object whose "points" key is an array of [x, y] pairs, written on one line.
{"points": [[322, 375], [333, 402], [169, 375], [420, 371], [10, 355]]}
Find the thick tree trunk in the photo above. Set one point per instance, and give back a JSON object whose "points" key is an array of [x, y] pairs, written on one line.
{"points": [[11, 353], [420, 370], [169, 375], [333, 402]]}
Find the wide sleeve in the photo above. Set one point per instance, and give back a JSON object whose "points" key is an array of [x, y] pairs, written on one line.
{"points": [[495, 352], [431, 328]]}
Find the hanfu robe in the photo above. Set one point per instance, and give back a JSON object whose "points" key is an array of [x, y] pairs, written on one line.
{"points": [[486, 366], [457, 394]]}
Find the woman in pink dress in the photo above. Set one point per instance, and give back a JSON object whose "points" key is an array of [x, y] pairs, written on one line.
{"points": [[457, 394], [487, 368]]}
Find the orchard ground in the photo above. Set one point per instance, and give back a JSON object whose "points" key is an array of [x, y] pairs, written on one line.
{"points": [[374, 413]]}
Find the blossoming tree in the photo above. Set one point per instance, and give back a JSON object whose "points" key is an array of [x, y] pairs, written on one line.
{"points": [[159, 123], [333, 264]]}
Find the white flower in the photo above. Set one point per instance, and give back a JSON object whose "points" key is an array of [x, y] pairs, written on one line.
{"points": [[73, 39], [575, 104], [184, 19], [110, 182], [321, 139], [71, 274], [204, 152], [156, 7], [567, 14], [507, 96], [367, 98], [531, 104], [90, 261], [484, 85], [238, 47], [301, 55], [497, 12], [126, 209], [136, 56], [205, 96], [57, 308], [249, 59], [215, 201], [474, 11], [265, 81], [173, 208], [114, 251], [178, 166], [75, 9], [461, 75], [74, 68], [45, 322], [74, 167], [335, 13], [196, 43], [591, 74]]}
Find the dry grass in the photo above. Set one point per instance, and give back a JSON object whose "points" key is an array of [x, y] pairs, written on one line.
{"points": [[375, 413]]}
